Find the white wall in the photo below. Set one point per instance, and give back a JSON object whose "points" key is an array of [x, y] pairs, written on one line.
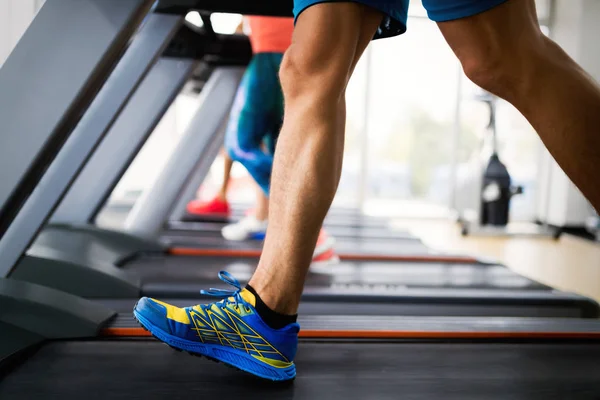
{"points": [[576, 30], [589, 55], [15, 17]]}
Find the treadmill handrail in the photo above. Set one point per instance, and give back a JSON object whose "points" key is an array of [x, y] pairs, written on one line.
{"points": [[280, 8]]}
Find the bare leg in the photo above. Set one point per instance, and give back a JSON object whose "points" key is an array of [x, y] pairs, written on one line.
{"points": [[227, 164], [262, 205], [504, 51], [329, 38]]}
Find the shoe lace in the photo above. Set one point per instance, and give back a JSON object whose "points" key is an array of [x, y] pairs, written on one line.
{"points": [[229, 296]]}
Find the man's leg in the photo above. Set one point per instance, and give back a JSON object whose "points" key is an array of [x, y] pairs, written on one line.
{"points": [[329, 38], [504, 51]]}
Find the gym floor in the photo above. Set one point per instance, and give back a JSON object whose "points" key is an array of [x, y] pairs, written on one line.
{"points": [[569, 264]]}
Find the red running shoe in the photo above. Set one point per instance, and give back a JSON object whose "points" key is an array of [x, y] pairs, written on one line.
{"points": [[215, 207], [324, 252]]}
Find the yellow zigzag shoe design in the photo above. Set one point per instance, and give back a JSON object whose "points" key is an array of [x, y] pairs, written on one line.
{"points": [[230, 331]]}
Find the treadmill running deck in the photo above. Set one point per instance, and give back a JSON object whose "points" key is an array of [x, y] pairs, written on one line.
{"points": [[144, 369]]}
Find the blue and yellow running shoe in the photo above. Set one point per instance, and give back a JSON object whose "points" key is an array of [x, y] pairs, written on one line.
{"points": [[230, 331]]}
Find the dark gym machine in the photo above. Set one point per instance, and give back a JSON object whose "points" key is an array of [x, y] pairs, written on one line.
{"points": [[493, 184]]}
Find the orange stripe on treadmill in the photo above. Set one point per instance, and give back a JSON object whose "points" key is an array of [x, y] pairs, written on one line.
{"points": [[124, 332], [357, 334], [189, 251]]}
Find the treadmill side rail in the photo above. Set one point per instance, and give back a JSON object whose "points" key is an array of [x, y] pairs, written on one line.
{"points": [[153, 208], [124, 245], [13, 340], [279, 8], [79, 263], [45, 266], [201, 169], [124, 140], [52, 55], [50, 313]]}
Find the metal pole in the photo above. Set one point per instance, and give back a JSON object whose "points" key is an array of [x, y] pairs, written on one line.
{"points": [[364, 151], [456, 139]]}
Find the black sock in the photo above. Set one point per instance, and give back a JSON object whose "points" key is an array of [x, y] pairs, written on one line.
{"points": [[271, 318]]}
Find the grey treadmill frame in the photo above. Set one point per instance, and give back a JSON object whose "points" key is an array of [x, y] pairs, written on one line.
{"points": [[84, 260], [108, 164], [142, 53], [198, 175], [29, 166], [152, 209], [46, 48]]}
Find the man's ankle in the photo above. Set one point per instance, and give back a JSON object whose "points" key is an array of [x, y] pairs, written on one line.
{"points": [[272, 318], [275, 300]]}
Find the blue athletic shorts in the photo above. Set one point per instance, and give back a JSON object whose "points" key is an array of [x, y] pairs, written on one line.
{"points": [[396, 11]]}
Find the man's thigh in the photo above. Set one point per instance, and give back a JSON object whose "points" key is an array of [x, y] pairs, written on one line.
{"points": [[490, 34]]}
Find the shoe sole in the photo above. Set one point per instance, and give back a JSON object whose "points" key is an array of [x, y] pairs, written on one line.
{"points": [[332, 259], [256, 236], [208, 214], [213, 217], [230, 357]]}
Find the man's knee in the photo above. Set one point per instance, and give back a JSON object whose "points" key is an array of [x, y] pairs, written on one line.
{"points": [[505, 69], [495, 54], [488, 70], [500, 47], [302, 73]]}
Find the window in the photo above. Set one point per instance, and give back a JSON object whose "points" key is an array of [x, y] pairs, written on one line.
{"points": [[414, 80]]}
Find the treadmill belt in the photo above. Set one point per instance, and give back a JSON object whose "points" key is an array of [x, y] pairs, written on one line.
{"points": [[383, 275], [417, 289], [400, 245], [336, 217], [381, 247], [331, 220], [340, 232], [144, 369]]}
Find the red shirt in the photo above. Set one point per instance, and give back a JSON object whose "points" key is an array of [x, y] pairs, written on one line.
{"points": [[270, 34]]}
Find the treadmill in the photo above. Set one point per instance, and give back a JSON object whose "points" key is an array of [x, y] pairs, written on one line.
{"points": [[340, 222], [497, 364], [69, 262], [337, 216], [352, 242], [215, 63], [158, 213], [59, 345], [74, 256], [204, 238]]}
